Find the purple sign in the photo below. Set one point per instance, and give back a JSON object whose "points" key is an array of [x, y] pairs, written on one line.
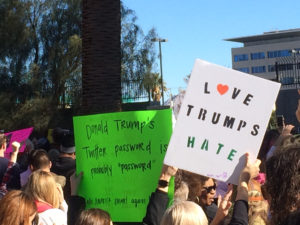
{"points": [[19, 136]]}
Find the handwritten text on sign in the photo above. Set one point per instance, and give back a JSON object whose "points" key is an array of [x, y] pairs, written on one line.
{"points": [[224, 115], [121, 156]]}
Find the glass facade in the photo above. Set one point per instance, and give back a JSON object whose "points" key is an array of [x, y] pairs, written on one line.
{"points": [[242, 57], [284, 67], [271, 68], [258, 69], [257, 55], [279, 53], [243, 69]]}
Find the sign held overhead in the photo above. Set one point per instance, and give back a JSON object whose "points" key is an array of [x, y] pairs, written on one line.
{"points": [[224, 115]]}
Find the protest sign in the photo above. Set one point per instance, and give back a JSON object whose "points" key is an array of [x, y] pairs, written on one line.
{"points": [[224, 115], [121, 156], [19, 136]]}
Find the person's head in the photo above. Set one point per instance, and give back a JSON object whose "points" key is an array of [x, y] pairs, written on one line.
{"points": [[17, 208], [94, 217], [184, 213], [58, 134], [68, 145], [43, 143], [42, 186], [3, 143], [283, 179], [38, 159], [202, 189]]}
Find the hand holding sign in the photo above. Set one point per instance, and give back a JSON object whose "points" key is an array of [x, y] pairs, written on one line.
{"points": [[250, 170], [121, 156], [19, 136]]}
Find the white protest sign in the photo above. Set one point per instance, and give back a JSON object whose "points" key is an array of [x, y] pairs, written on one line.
{"points": [[224, 114]]}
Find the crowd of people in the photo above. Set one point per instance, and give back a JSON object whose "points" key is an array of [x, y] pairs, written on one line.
{"points": [[40, 186]]}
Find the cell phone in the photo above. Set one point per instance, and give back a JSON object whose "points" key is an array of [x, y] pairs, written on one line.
{"points": [[280, 121]]}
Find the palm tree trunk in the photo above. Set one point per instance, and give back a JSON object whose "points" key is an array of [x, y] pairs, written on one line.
{"points": [[101, 63]]}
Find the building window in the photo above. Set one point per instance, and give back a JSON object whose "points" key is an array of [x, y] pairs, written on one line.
{"points": [[257, 55], [279, 53], [243, 69], [271, 68], [258, 69], [242, 57], [284, 67]]}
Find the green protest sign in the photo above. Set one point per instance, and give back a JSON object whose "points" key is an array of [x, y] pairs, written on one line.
{"points": [[121, 156]]}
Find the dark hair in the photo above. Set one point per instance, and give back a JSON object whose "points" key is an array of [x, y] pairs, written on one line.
{"points": [[93, 217], [43, 143], [38, 159], [283, 179], [58, 134]]}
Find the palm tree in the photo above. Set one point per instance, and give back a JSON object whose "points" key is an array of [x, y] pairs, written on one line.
{"points": [[152, 83], [101, 63]]}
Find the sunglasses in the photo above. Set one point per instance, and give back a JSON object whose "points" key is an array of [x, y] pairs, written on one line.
{"points": [[210, 188]]}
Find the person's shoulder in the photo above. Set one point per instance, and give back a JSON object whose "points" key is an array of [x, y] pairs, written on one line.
{"points": [[53, 216], [3, 163], [3, 159]]}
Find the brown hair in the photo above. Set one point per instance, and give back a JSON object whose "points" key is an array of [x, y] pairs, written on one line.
{"points": [[39, 159], [94, 217], [16, 207], [283, 179], [3, 139], [195, 183], [42, 186]]}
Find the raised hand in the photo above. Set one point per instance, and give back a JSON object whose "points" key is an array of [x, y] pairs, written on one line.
{"points": [[15, 150]]}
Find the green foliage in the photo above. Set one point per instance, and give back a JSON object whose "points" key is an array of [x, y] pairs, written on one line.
{"points": [[41, 56], [137, 53], [40, 60]]}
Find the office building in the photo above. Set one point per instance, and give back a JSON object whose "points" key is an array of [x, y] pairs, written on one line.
{"points": [[275, 56], [260, 52]]}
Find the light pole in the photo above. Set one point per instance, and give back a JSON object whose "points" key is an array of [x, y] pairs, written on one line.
{"points": [[159, 40]]}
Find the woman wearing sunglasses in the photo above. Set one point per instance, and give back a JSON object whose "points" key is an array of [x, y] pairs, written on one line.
{"points": [[202, 190]]}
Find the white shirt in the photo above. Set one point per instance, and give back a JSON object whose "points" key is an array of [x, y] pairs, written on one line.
{"points": [[54, 216]]}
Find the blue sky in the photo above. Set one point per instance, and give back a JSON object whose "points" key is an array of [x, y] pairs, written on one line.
{"points": [[197, 29]]}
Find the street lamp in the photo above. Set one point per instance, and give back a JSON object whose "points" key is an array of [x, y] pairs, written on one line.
{"points": [[159, 40]]}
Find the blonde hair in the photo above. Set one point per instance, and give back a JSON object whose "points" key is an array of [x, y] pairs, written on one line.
{"points": [[184, 213], [258, 212], [181, 193], [16, 207], [42, 186]]}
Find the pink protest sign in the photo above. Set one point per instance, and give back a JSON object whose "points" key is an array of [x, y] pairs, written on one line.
{"points": [[19, 136]]}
